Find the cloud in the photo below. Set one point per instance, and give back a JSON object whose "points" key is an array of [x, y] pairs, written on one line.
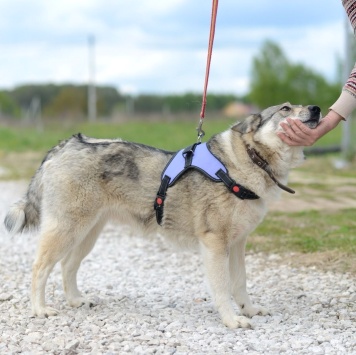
{"points": [[160, 46]]}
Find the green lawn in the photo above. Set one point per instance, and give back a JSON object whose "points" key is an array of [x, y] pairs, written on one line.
{"points": [[167, 135], [307, 232]]}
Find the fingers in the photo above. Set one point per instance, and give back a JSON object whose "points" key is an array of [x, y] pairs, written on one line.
{"points": [[293, 132], [286, 139], [299, 128], [296, 133]]}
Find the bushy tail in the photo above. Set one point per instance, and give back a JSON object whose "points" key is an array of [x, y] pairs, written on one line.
{"points": [[25, 214], [15, 220]]}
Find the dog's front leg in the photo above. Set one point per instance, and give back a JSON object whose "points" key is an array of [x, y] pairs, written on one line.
{"points": [[216, 262], [238, 281]]}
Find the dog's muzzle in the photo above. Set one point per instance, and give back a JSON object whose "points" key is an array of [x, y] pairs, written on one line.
{"points": [[314, 111], [315, 115]]}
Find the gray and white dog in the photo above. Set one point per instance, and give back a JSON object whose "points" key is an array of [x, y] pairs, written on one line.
{"points": [[84, 182]]}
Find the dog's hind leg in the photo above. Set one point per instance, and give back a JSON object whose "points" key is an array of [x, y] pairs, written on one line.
{"points": [[71, 264], [56, 241], [216, 263], [238, 281], [52, 248]]}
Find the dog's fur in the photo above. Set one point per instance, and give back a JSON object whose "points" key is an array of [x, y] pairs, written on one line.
{"points": [[84, 182]]}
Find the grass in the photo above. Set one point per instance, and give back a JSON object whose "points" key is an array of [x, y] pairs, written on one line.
{"points": [[324, 239], [167, 135], [307, 232]]}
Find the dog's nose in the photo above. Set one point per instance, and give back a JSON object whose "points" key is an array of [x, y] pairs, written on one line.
{"points": [[314, 110]]}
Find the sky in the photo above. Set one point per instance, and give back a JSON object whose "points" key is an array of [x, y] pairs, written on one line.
{"points": [[160, 46]]}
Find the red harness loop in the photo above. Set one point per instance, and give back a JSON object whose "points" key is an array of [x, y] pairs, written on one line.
{"points": [[214, 12]]}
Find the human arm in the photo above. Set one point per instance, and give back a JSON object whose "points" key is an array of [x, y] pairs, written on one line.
{"points": [[297, 133]]}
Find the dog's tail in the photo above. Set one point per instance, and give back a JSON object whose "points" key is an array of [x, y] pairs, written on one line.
{"points": [[24, 215]]}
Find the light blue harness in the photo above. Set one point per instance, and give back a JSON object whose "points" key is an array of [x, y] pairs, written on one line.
{"points": [[198, 157]]}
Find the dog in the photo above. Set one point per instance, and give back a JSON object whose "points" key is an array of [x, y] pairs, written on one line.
{"points": [[84, 182]]}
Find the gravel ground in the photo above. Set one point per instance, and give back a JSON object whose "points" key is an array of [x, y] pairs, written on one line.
{"points": [[150, 299]]}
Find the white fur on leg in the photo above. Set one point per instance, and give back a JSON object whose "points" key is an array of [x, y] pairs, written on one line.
{"points": [[39, 278], [238, 282], [71, 264], [55, 242], [217, 270]]}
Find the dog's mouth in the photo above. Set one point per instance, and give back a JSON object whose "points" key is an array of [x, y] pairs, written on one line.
{"points": [[315, 116], [312, 123]]}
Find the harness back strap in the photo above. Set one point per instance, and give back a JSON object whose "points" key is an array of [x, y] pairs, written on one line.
{"points": [[198, 157]]}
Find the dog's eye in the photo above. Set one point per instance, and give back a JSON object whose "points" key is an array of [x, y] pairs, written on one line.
{"points": [[285, 108]]}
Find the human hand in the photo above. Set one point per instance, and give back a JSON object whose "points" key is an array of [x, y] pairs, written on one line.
{"points": [[296, 133]]}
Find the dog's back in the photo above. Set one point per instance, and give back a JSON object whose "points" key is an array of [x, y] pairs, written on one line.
{"points": [[109, 163]]}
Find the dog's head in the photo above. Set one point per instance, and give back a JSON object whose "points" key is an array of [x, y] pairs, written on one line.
{"points": [[260, 131], [265, 125]]}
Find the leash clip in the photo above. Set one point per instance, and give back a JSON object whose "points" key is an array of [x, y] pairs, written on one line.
{"points": [[201, 133]]}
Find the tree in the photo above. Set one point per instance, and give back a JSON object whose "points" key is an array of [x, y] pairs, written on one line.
{"points": [[24, 94], [8, 106], [70, 102], [59, 100], [276, 80]]}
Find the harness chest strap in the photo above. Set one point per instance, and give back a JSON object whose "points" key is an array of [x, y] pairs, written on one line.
{"points": [[198, 157]]}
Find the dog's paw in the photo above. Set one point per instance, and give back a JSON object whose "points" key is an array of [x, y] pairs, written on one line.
{"points": [[238, 322], [44, 312], [254, 311], [80, 301]]}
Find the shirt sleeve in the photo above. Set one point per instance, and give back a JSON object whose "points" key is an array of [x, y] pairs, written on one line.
{"points": [[346, 103], [350, 8]]}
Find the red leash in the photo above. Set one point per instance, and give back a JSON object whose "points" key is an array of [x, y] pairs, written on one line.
{"points": [[214, 12]]}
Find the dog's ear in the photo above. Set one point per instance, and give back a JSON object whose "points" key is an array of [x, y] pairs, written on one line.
{"points": [[249, 124]]}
